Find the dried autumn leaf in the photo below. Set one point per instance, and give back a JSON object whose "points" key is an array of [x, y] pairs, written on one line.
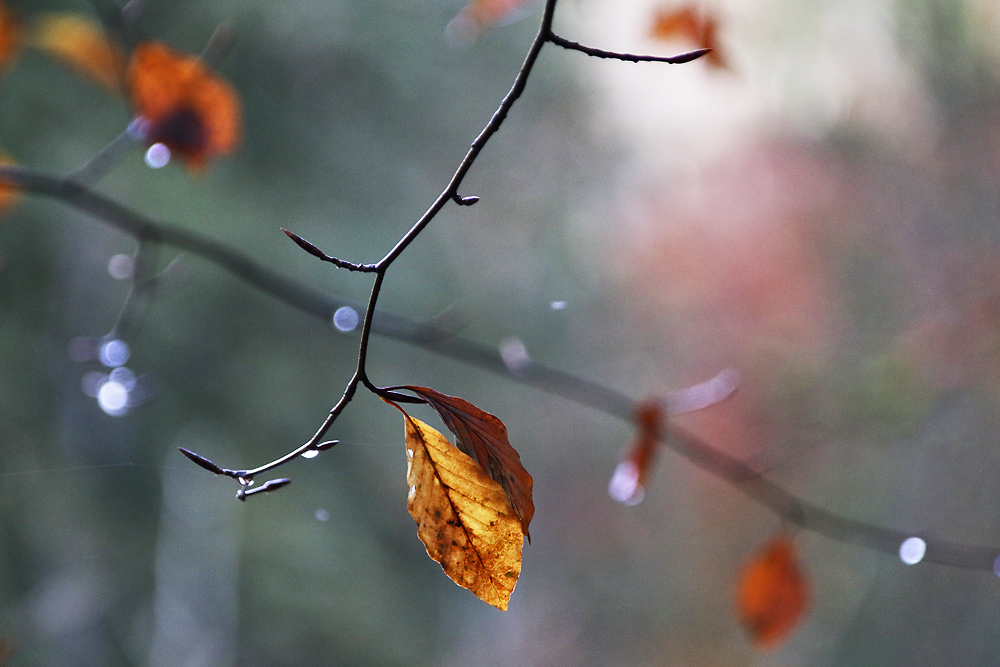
{"points": [[772, 593], [185, 106], [463, 517], [479, 15], [628, 484], [691, 25], [81, 44], [10, 36], [484, 437]]}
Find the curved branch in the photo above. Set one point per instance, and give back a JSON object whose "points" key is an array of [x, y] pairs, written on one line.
{"points": [[321, 305]]}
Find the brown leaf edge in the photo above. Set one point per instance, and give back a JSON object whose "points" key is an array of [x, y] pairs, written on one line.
{"points": [[484, 437]]}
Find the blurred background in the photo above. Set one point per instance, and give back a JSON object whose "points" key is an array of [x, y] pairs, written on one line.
{"points": [[815, 207]]}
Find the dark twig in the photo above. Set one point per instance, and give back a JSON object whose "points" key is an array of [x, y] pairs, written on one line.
{"points": [[627, 57], [316, 252], [783, 503]]}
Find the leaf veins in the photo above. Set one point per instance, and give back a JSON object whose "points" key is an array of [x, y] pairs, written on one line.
{"points": [[464, 518], [484, 437]]}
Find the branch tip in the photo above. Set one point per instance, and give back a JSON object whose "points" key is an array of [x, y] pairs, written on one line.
{"points": [[266, 487], [305, 245], [202, 461]]}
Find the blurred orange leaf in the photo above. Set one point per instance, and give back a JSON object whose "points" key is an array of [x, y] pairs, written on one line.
{"points": [[463, 516], [9, 194], [81, 44], [480, 15], [484, 437], [628, 484], [186, 107], [772, 593], [689, 24], [10, 36]]}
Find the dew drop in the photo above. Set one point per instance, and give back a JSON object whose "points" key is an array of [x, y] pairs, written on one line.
{"points": [[113, 353], [121, 266], [912, 550], [157, 156], [346, 319], [624, 486], [124, 377], [113, 398], [310, 453], [514, 354]]}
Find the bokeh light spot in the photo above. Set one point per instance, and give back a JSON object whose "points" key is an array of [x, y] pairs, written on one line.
{"points": [[514, 354], [346, 319], [113, 353], [120, 266], [912, 550], [113, 398], [624, 486], [157, 156]]}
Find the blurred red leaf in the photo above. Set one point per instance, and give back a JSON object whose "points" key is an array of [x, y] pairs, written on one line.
{"points": [[188, 108], [772, 593], [691, 25], [484, 437], [628, 484], [479, 15], [9, 194], [10, 36]]}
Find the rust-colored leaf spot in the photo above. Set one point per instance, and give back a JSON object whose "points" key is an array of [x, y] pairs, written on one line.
{"points": [[480, 15], [772, 593], [484, 437], [186, 107], [9, 194], [464, 517], [11, 33], [628, 484], [690, 25], [79, 43]]}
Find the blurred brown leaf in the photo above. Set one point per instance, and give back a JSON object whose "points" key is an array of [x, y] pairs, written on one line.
{"points": [[10, 36], [188, 108], [691, 25]]}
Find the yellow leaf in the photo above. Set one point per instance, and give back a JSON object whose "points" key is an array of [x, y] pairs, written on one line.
{"points": [[484, 437], [463, 516], [81, 44]]}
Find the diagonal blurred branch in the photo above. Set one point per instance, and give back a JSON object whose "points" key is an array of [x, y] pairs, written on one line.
{"points": [[322, 305]]}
